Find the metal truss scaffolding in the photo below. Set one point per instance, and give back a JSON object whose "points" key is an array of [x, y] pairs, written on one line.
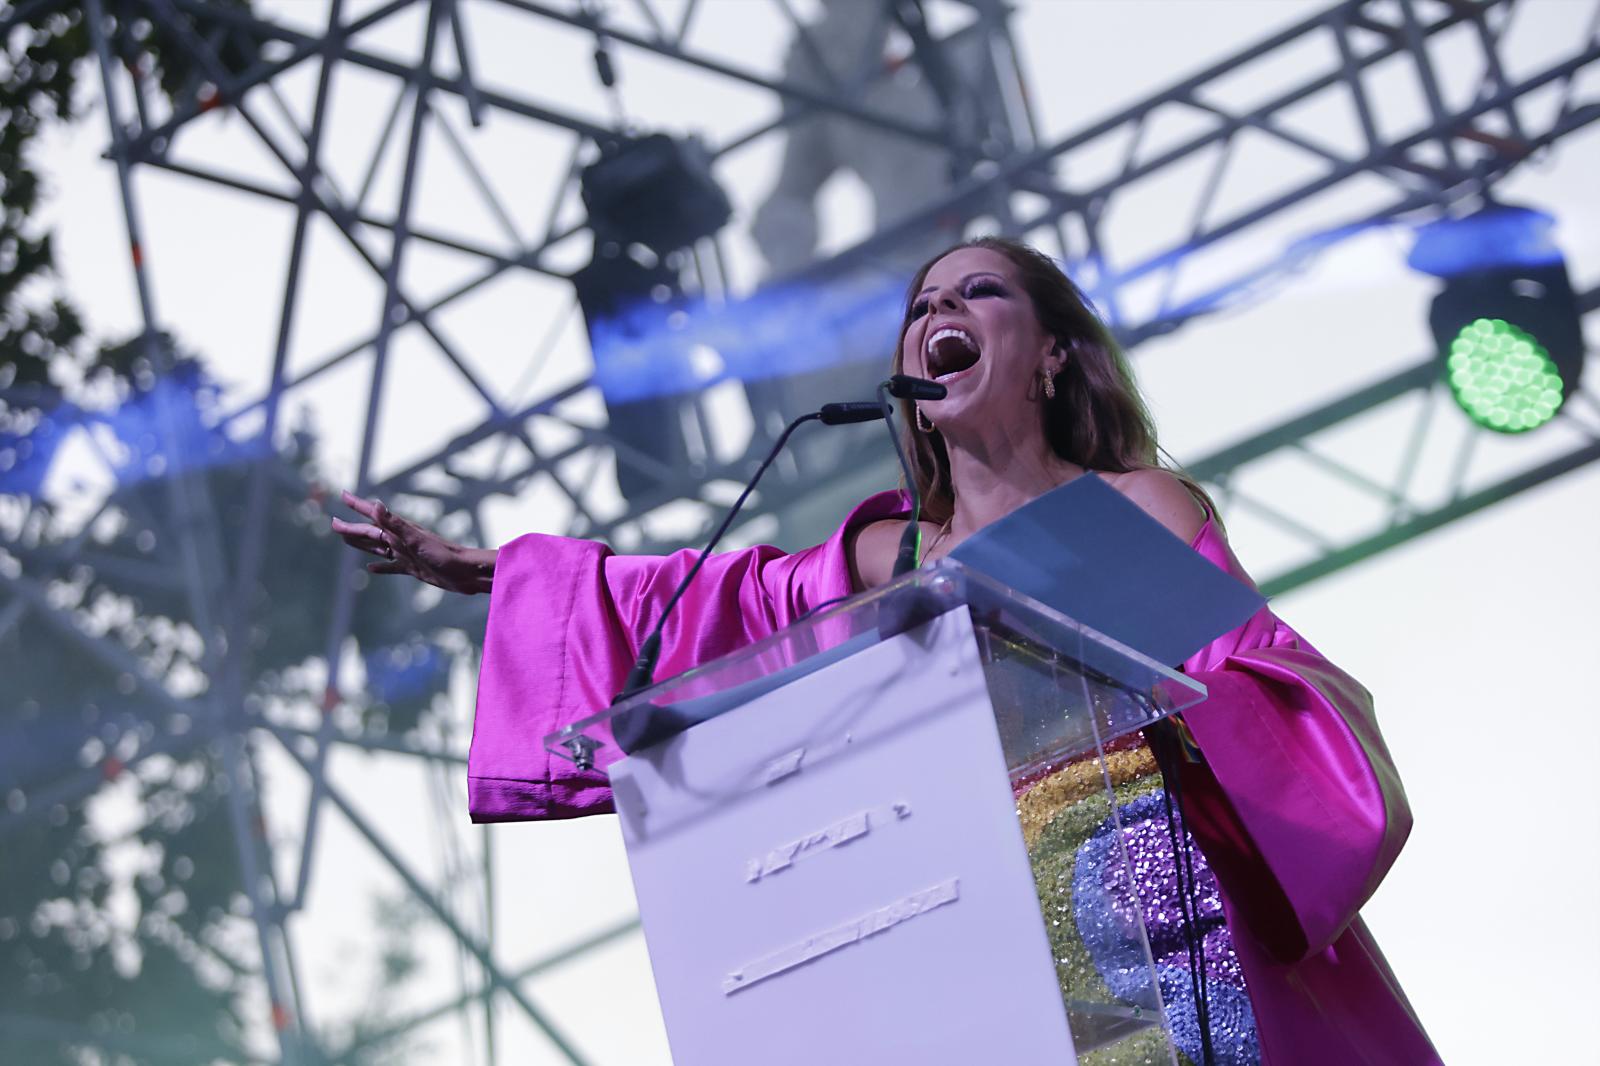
{"points": [[1352, 100]]}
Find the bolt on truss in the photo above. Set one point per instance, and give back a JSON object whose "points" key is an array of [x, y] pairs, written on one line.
{"points": [[1370, 128]]}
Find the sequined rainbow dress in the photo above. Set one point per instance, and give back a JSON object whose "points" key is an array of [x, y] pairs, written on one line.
{"points": [[1071, 835], [1295, 804]]}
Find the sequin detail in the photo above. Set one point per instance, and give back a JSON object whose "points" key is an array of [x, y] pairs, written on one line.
{"points": [[1075, 782], [1106, 908]]}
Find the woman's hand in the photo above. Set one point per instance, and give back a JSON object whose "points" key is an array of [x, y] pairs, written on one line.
{"points": [[407, 548]]}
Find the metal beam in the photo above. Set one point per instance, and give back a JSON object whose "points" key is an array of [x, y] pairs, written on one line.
{"points": [[1089, 202], [1428, 521], [419, 889], [1078, 207], [485, 992], [1409, 515]]}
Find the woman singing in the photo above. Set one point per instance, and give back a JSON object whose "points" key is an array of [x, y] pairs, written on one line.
{"points": [[1288, 793]]}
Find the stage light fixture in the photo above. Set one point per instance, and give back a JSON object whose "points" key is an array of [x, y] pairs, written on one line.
{"points": [[648, 198], [626, 301], [654, 190], [1506, 324]]}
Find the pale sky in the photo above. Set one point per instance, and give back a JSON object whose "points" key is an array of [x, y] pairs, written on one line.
{"points": [[1473, 639]]}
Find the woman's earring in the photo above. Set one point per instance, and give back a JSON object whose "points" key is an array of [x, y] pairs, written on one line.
{"points": [[922, 421], [1049, 383]]}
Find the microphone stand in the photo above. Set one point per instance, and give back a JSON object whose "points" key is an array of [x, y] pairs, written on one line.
{"points": [[907, 387], [642, 675]]}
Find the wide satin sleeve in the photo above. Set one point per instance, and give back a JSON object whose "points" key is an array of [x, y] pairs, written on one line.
{"points": [[1296, 802], [566, 618]]}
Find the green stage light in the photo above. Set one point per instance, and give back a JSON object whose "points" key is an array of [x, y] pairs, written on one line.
{"points": [[1503, 377], [1507, 323]]}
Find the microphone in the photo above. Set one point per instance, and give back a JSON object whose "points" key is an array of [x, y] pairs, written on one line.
{"points": [[906, 387], [642, 676], [841, 414]]}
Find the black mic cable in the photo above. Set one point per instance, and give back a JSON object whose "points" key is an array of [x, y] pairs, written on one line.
{"points": [[906, 387], [642, 676]]}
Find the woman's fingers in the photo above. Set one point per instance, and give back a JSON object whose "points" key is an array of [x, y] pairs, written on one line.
{"points": [[381, 534], [402, 546], [372, 510], [365, 508], [401, 533], [356, 529], [371, 547], [367, 538]]}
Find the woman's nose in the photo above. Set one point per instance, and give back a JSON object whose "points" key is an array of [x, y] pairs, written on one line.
{"points": [[947, 298]]}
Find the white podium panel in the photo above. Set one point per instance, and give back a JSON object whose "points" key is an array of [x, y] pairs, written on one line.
{"points": [[838, 856]]}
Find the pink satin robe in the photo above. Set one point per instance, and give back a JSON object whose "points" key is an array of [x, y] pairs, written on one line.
{"points": [[1297, 805]]}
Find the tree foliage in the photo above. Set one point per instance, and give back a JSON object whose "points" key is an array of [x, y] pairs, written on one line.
{"points": [[125, 929]]}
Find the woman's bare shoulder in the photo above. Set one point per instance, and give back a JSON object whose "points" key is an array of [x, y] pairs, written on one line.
{"points": [[1164, 497]]}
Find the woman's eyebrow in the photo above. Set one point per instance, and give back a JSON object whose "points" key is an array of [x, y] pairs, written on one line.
{"points": [[967, 278]]}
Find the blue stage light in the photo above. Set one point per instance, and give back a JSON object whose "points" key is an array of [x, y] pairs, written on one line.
{"points": [[163, 430], [647, 348]]}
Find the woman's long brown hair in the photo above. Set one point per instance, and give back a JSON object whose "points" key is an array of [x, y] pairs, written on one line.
{"points": [[1097, 420]]}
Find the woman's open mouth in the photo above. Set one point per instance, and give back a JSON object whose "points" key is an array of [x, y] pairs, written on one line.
{"points": [[949, 351]]}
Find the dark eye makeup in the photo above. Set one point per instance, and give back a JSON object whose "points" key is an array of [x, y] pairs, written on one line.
{"points": [[975, 287]]}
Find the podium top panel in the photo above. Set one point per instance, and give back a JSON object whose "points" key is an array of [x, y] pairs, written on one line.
{"points": [[1098, 687]]}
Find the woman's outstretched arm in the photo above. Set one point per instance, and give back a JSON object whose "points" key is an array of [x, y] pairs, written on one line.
{"points": [[407, 548], [566, 621]]}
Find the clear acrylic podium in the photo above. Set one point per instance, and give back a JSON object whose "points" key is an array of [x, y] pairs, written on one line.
{"points": [[829, 851]]}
